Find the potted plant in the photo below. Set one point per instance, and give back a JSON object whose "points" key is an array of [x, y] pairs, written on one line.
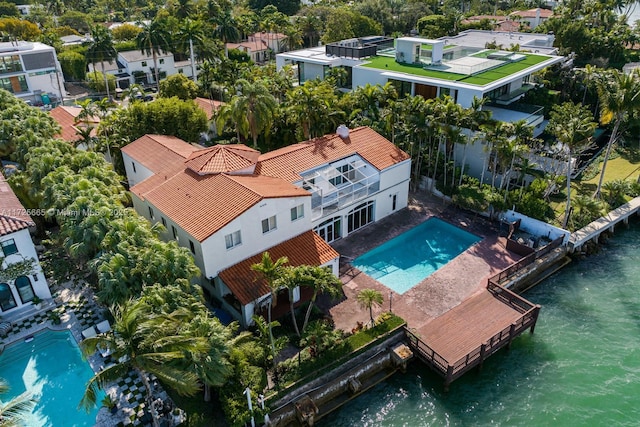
{"points": [[37, 301], [109, 403], [55, 317], [178, 416]]}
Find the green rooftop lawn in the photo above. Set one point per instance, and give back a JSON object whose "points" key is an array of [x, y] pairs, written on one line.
{"points": [[480, 79], [390, 64]]}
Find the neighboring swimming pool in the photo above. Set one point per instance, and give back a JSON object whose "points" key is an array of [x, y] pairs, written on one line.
{"points": [[51, 368], [406, 260]]}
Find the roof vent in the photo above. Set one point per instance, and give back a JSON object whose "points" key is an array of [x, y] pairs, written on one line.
{"points": [[343, 131]]}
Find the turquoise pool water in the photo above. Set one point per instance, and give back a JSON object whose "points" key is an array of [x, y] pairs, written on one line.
{"points": [[406, 260], [580, 368], [50, 368]]}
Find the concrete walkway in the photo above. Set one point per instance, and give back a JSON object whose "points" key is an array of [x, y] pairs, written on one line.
{"points": [[461, 278]]}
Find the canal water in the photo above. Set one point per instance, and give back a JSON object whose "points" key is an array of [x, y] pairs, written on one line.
{"points": [[581, 367]]}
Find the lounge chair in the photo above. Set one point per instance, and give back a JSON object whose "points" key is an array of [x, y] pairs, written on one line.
{"points": [[89, 332], [5, 328], [103, 327]]}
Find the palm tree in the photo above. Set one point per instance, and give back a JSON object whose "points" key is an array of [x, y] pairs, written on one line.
{"points": [[226, 29], [147, 343], [100, 49], [573, 126], [322, 280], [367, 298], [189, 32], [270, 272], [152, 40], [257, 104], [619, 95], [13, 412]]}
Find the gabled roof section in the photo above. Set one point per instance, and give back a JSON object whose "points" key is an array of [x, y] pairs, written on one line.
{"points": [[13, 216], [159, 152], [66, 117], [289, 162], [202, 205], [305, 249], [222, 158], [209, 106]]}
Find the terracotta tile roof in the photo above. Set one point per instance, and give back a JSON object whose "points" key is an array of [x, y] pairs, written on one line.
{"points": [[201, 205], [13, 216], [222, 158], [288, 162], [306, 249], [159, 152], [209, 106], [66, 118], [531, 13], [250, 46]]}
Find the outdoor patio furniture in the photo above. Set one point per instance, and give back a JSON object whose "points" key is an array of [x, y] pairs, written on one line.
{"points": [[89, 332], [5, 328], [103, 327]]}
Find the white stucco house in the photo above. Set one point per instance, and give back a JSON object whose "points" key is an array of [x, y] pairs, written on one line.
{"points": [[228, 204], [16, 245], [135, 66], [31, 71]]}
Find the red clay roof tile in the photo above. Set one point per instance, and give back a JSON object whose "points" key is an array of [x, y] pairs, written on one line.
{"points": [[13, 216], [222, 158], [288, 162], [305, 249], [159, 152], [201, 205]]}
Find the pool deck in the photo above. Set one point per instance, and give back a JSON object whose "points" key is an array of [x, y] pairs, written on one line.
{"points": [[460, 279]]}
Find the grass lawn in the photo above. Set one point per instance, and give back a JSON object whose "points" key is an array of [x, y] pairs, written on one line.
{"points": [[480, 79], [619, 168]]}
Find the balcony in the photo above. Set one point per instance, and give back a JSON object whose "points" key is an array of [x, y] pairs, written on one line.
{"points": [[337, 186], [533, 115]]}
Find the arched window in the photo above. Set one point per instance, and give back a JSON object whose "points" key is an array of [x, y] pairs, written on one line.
{"points": [[7, 301], [25, 290]]}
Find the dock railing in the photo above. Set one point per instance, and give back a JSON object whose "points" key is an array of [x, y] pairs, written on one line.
{"points": [[524, 262], [452, 371]]}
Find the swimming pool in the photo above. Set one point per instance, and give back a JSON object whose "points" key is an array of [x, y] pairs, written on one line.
{"points": [[51, 368], [406, 260]]}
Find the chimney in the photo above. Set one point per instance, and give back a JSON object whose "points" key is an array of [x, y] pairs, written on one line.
{"points": [[343, 131]]}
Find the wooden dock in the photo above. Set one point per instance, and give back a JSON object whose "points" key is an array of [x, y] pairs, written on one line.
{"points": [[465, 336], [606, 223]]}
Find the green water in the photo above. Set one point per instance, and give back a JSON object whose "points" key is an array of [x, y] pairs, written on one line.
{"points": [[580, 368]]}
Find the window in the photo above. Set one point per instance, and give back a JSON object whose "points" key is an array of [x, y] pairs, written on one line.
{"points": [[144, 63], [7, 301], [232, 240], [297, 212], [161, 60], [164, 221], [9, 247], [133, 165], [175, 232], [16, 84], [360, 216], [180, 71], [151, 213], [269, 224], [394, 201], [25, 290], [330, 230], [192, 247]]}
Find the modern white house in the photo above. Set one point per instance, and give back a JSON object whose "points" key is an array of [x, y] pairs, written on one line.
{"points": [[228, 204], [31, 71], [461, 67], [18, 289], [135, 66]]}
